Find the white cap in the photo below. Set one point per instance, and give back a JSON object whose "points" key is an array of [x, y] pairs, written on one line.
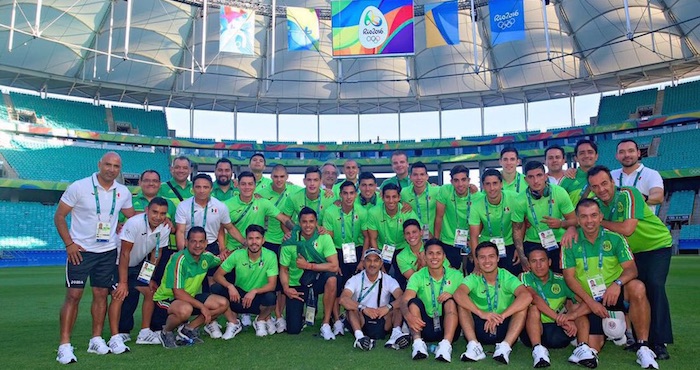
{"points": [[614, 327]]}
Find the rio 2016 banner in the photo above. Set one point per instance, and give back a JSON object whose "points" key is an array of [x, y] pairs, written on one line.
{"points": [[372, 27], [507, 21]]}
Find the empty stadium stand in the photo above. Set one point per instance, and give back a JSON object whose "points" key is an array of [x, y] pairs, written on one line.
{"points": [[618, 108], [689, 238], [33, 231], [681, 206], [148, 123], [681, 98], [61, 113]]}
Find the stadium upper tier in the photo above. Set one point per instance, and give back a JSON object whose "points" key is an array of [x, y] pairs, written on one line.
{"points": [[61, 113], [32, 232], [618, 108], [681, 98], [681, 205]]}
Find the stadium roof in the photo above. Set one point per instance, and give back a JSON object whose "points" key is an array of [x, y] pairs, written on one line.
{"points": [[590, 52]]}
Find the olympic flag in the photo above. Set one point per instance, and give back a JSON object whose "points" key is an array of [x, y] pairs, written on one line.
{"points": [[302, 29], [441, 24], [507, 21], [237, 30], [372, 27]]}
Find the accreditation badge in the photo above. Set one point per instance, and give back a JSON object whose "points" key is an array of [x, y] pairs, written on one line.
{"points": [[310, 315], [461, 241], [103, 231], [388, 253], [437, 327], [501, 246], [548, 240], [146, 272], [597, 285], [426, 233], [349, 253]]}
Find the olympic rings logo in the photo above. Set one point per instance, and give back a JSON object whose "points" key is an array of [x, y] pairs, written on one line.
{"points": [[374, 39], [506, 24]]}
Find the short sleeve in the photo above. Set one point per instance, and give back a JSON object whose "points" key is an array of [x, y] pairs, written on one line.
{"points": [[390, 284], [518, 211], [288, 206], [655, 180], [569, 259], [471, 282], [270, 209], [71, 196], [564, 201], [475, 214], [287, 255], [328, 246], [511, 283], [229, 264], [181, 214], [402, 262], [372, 221], [414, 283], [164, 237], [273, 268], [225, 216], [443, 195], [128, 233]]}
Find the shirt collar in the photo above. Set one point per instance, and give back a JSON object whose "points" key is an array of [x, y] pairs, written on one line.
{"points": [[97, 183]]}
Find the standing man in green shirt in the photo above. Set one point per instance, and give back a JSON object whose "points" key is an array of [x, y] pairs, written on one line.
{"points": [[253, 290], [369, 196], [412, 258], [492, 307], [490, 220], [422, 197], [625, 212], [575, 182], [149, 186], [599, 268], [311, 196], [346, 225], [385, 229], [351, 169], [308, 268], [512, 179], [245, 209], [453, 207], [224, 186], [428, 307], [399, 164], [549, 212], [256, 163]]}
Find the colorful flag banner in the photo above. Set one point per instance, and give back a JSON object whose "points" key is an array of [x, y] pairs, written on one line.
{"points": [[372, 27], [302, 29], [507, 21], [237, 30], [441, 24]]}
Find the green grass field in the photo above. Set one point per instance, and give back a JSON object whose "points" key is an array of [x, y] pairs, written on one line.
{"points": [[32, 297]]}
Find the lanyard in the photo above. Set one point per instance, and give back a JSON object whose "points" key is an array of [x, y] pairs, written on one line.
{"points": [[432, 289], [244, 212], [613, 204], [488, 214], [362, 287], [599, 244], [538, 285], [492, 305], [639, 176], [204, 221], [280, 197], [532, 209], [318, 209], [469, 206], [517, 182], [342, 223], [427, 206], [97, 200], [145, 219]]}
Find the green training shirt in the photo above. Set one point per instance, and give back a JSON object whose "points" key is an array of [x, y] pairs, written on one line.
{"points": [[288, 253], [274, 233], [140, 203], [263, 183], [560, 205], [346, 227], [407, 260], [457, 210], [246, 214], [420, 283], [183, 272], [424, 204], [403, 183], [507, 284], [518, 184], [251, 274], [497, 221], [167, 193], [376, 200], [579, 182], [221, 195], [296, 201], [389, 229], [555, 292]]}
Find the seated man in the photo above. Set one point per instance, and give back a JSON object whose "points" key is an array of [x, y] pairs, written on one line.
{"points": [[598, 267], [546, 326], [253, 290], [369, 307], [428, 307], [492, 307], [308, 267], [180, 294], [143, 238], [412, 258]]}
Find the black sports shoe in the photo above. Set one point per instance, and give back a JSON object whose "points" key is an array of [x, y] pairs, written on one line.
{"points": [[364, 343], [191, 335], [661, 352]]}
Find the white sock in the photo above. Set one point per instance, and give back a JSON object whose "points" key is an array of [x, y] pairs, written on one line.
{"points": [[359, 334], [397, 330], [444, 342]]}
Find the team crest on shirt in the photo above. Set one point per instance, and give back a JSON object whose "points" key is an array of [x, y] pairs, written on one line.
{"points": [[448, 282], [620, 207], [255, 208], [214, 210], [607, 246], [261, 263], [119, 195], [316, 245], [506, 209], [205, 264], [556, 289]]}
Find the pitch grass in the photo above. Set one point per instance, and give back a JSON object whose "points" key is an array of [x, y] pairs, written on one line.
{"points": [[31, 298]]}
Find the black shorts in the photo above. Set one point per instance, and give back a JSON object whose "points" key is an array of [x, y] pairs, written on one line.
{"points": [[98, 267], [374, 328], [596, 321], [429, 334], [347, 269], [486, 338], [214, 249], [553, 336], [160, 312], [132, 277], [275, 248], [264, 299]]}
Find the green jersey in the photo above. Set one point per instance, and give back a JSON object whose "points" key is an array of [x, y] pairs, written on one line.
{"points": [[221, 195], [650, 233], [428, 289], [140, 203], [555, 292], [263, 183], [298, 200], [518, 184], [556, 204], [407, 260], [424, 204], [496, 219], [289, 252], [493, 298], [389, 228], [457, 211], [402, 183], [346, 227], [274, 233], [376, 200], [246, 214], [184, 272], [579, 182], [251, 274], [602, 258], [336, 188], [168, 193]]}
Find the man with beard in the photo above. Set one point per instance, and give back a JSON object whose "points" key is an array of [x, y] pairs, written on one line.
{"points": [[224, 187], [554, 159], [633, 173], [576, 182]]}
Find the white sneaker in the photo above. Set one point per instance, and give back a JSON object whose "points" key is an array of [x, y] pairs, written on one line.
{"points": [[502, 352], [338, 328], [231, 330], [420, 350], [474, 352], [126, 337], [646, 358], [364, 343], [326, 332], [97, 345], [246, 320], [65, 354], [213, 329], [540, 355], [148, 336], [443, 352], [584, 355], [260, 328], [270, 326], [281, 325], [116, 345], [398, 340]]}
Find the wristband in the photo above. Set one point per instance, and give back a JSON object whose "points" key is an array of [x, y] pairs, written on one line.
{"points": [[618, 282], [70, 244]]}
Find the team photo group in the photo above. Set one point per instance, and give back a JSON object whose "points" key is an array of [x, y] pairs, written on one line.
{"points": [[545, 256]]}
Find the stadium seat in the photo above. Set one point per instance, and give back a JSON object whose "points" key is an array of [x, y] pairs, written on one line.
{"points": [[681, 98], [681, 206], [617, 109], [148, 123], [32, 232], [63, 113]]}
